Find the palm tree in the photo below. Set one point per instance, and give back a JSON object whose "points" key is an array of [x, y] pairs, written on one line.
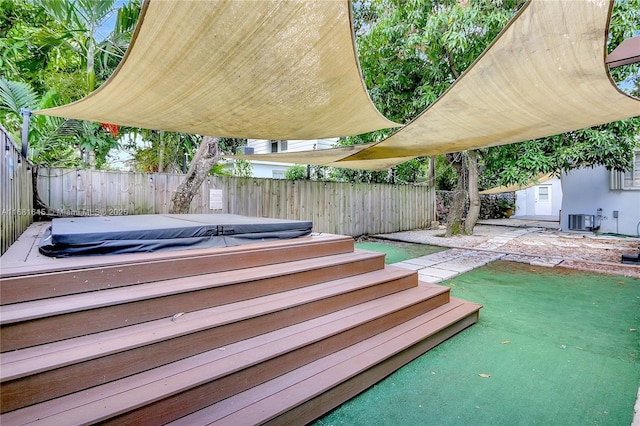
{"points": [[81, 26]]}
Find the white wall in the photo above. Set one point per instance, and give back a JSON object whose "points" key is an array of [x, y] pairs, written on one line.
{"points": [[262, 146], [263, 169], [526, 200], [587, 190], [275, 170]]}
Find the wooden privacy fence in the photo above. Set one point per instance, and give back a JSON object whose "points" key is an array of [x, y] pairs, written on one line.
{"points": [[16, 192], [339, 208]]}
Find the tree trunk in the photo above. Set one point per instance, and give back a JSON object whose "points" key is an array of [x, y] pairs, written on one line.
{"points": [[454, 219], [474, 194], [161, 153], [206, 157]]}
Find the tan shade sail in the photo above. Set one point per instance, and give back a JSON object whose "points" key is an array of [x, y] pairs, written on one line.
{"points": [[545, 74], [263, 69], [516, 187]]}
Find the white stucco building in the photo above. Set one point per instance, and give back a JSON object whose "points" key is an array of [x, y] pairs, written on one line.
{"points": [[611, 200], [275, 170]]}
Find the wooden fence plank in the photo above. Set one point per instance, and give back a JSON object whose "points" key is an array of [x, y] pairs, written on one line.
{"points": [[16, 194], [334, 207]]}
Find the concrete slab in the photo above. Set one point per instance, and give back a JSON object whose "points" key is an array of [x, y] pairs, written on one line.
{"points": [[429, 279], [437, 273], [406, 265], [423, 262], [455, 266]]}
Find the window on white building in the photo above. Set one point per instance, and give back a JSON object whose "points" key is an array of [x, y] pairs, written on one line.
{"points": [[278, 146], [632, 177]]}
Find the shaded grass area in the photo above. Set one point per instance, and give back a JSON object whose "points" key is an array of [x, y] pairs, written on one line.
{"points": [[559, 347], [399, 251]]}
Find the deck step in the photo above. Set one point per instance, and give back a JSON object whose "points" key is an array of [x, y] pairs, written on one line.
{"points": [[59, 277], [47, 371], [312, 390], [273, 332], [182, 387], [44, 321]]}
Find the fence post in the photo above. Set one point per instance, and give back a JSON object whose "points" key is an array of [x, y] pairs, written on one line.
{"points": [[26, 116]]}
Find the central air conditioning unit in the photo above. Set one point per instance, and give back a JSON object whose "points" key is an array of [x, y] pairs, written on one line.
{"points": [[581, 222], [245, 150]]}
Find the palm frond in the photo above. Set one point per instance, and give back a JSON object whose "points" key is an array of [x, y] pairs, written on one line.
{"points": [[15, 95]]}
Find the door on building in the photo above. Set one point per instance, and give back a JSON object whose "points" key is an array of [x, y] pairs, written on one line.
{"points": [[543, 200]]}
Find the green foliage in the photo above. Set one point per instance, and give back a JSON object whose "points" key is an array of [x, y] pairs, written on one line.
{"points": [[446, 178], [231, 145], [51, 50], [610, 145], [625, 23], [162, 151], [54, 141], [296, 172], [219, 169], [15, 95], [79, 22], [410, 53], [408, 172], [20, 58], [242, 168]]}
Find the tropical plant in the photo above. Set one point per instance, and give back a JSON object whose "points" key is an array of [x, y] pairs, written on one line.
{"points": [[52, 49], [79, 26], [296, 172], [242, 168]]}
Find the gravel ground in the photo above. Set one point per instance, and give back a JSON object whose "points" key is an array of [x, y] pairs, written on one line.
{"points": [[584, 251]]}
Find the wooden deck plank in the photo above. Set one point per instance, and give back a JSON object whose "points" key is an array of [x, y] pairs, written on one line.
{"points": [[49, 320], [22, 259], [25, 247], [121, 357], [324, 402], [85, 301], [284, 339], [337, 379], [90, 273], [56, 355], [264, 391], [85, 404], [195, 398]]}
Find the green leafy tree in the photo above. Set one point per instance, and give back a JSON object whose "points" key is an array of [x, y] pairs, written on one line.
{"points": [[78, 26], [411, 52], [296, 172], [54, 48], [610, 145], [204, 160], [54, 141]]}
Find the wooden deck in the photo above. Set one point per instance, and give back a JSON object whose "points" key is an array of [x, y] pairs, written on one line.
{"points": [[274, 333]]}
